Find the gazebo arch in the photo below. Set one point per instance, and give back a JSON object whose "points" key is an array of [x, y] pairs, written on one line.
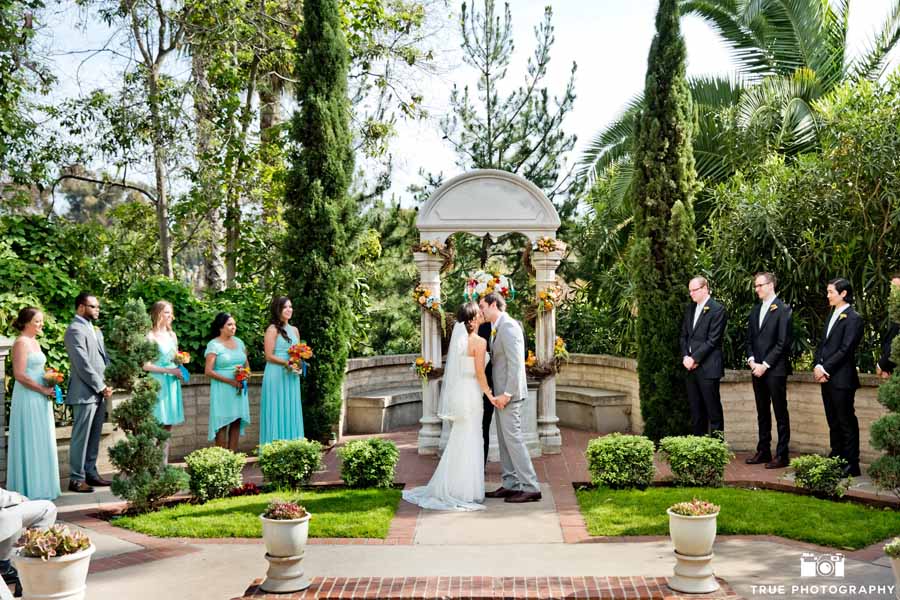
{"points": [[488, 201]]}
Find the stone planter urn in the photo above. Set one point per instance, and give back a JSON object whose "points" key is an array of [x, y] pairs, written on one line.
{"points": [[59, 577], [693, 537], [285, 541]]}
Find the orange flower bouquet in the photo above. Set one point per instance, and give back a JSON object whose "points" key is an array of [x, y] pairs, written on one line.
{"points": [[55, 378], [242, 376], [298, 355], [181, 358]]}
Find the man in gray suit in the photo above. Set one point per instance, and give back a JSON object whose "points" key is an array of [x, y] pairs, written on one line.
{"points": [[17, 513], [520, 482], [87, 393]]}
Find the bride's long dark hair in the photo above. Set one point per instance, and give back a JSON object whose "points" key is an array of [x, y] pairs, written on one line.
{"points": [[466, 314]]}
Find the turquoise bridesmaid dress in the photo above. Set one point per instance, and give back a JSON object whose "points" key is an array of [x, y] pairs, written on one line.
{"points": [[226, 404], [280, 412], [32, 468], [169, 409]]}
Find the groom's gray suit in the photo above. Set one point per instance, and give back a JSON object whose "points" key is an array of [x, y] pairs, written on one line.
{"points": [[87, 355], [508, 364]]}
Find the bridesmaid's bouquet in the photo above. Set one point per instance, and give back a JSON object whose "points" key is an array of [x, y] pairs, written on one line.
{"points": [[55, 378], [298, 355], [242, 376], [180, 359]]}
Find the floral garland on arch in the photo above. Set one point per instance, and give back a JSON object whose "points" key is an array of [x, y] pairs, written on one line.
{"points": [[436, 248], [545, 369], [427, 301], [547, 244], [483, 283], [549, 298]]}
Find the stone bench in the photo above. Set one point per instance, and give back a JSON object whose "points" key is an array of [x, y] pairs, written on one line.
{"points": [[590, 409], [382, 410]]}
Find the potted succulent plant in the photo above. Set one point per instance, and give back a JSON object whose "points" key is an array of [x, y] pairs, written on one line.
{"points": [[892, 549], [692, 526], [285, 528], [53, 563]]}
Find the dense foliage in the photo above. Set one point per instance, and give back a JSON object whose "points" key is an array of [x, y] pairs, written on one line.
{"points": [[142, 477], [321, 217], [288, 464], [885, 433], [621, 461], [214, 472], [368, 463], [662, 252]]}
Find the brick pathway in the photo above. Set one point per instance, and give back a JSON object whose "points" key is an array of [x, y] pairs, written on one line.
{"points": [[478, 588]]}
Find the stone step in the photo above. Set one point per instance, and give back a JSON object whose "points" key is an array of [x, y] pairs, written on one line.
{"points": [[382, 410], [593, 409]]}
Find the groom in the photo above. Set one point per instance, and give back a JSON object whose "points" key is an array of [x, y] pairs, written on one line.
{"points": [[520, 482]]}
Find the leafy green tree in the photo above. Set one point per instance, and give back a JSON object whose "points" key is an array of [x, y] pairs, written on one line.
{"points": [[788, 55], [143, 479], [321, 217], [662, 254], [827, 214], [885, 470]]}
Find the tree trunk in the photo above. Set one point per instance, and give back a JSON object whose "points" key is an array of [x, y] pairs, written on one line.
{"points": [[213, 261], [159, 166]]}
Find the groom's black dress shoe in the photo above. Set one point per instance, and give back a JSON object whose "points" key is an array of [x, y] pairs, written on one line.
{"points": [[98, 481], [500, 492], [522, 497], [79, 486], [11, 576], [759, 458]]}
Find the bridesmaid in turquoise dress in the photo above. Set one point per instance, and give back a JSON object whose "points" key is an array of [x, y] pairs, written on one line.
{"points": [[32, 467], [169, 409], [229, 407], [280, 413]]}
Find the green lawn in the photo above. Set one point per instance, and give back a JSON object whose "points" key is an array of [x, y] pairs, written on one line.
{"points": [[762, 512], [335, 513]]}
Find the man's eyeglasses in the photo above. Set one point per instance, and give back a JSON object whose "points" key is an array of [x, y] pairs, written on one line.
{"points": [[697, 289], [759, 285]]}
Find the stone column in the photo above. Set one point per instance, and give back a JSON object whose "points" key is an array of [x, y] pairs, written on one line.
{"points": [[545, 265], [429, 267], [5, 345]]}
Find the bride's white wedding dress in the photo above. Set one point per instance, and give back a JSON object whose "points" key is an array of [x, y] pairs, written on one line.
{"points": [[458, 481]]}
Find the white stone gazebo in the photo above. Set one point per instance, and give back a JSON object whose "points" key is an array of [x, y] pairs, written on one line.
{"points": [[481, 202]]}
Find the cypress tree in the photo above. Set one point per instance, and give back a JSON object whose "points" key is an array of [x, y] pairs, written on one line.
{"points": [[320, 215], [663, 251]]}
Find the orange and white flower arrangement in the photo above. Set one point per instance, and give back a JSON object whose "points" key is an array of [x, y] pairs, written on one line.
{"points": [[242, 376], [549, 298], [482, 283], [55, 378], [181, 357], [546, 244], [298, 354]]}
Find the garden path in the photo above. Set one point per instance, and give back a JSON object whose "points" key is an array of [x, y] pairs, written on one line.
{"points": [[547, 551]]}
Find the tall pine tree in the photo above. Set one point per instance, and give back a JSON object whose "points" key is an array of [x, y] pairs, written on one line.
{"points": [[321, 217], [662, 253]]}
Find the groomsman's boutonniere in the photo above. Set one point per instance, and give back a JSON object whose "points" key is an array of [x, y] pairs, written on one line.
{"points": [[705, 309], [843, 316], [97, 329], [773, 307]]}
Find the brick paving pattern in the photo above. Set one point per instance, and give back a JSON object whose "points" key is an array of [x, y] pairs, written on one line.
{"points": [[478, 588]]}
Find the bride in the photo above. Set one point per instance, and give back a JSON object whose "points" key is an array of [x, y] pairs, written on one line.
{"points": [[458, 481]]}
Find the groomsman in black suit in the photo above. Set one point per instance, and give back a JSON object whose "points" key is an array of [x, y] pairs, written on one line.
{"points": [[484, 330], [885, 365], [835, 369], [701, 349], [768, 350]]}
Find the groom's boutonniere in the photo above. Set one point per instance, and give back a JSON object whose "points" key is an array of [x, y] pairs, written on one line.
{"points": [[493, 333], [843, 316], [773, 308]]}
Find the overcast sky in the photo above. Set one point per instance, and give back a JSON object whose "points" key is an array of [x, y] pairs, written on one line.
{"points": [[608, 39]]}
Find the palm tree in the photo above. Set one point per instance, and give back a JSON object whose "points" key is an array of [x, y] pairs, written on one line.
{"points": [[789, 53]]}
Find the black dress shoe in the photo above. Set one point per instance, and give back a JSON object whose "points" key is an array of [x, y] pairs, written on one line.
{"points": [[500, 492], [11, 576], [851, 471], [98, 481], [522, 497], [759, 458], [79, 486], [779, 463]]}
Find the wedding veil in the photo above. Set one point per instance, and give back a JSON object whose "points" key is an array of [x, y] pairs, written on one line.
{"points": [[448, 408]]}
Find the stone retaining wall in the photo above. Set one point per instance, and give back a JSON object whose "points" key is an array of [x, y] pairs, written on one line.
{"points": [[809, 430]]}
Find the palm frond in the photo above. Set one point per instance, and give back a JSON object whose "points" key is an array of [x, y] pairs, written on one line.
{"points": [[870, 65], [611, 144]]}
